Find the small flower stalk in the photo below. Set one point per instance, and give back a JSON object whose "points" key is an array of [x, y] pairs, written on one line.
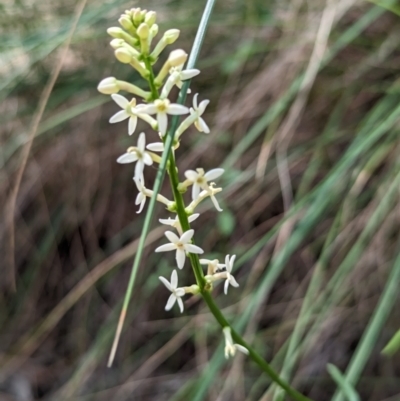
{"points": [[134, 43]]}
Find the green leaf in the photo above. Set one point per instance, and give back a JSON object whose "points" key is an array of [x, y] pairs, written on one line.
{"points": [[348, 390], [393, 345]]}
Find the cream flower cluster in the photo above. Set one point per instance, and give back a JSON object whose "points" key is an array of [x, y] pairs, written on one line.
{"points": [[133, 45]]}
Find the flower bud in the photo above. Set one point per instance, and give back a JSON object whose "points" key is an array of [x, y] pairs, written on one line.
{"points": [[108, 86], [137, 16], [126, 23], [171, 36], [177, 57], [123, 55], [117, 43], [116, 32], [154, 30], [143, 31], [150, 18]]}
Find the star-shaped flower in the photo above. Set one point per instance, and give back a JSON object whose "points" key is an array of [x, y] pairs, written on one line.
{"points": [[213, 266], [181, 245], [162, 107], [198, 110], [175, 222], [129, 110], [176, 293], [230, 346], [199, 179], [183, 75], [229, 278], [141, 196], [139, 155]]}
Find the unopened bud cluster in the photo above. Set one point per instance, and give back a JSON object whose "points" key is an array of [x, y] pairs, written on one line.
{"points": [[134, 44]]}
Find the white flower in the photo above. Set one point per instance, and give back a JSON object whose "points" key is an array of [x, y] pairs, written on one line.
{"points": [[229, 278], [184, 75], [162, 108], [176, 77], [141, 196], [199, 179], [177, 293], [138, 155], [230, 347], [181, 245], [199, 123], [128, 111], [213, 265], [210, 192], [175, 222]]}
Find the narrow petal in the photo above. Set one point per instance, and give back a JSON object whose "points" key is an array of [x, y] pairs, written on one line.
{"points": [[195, 191], [213, 174], [195, 101], [180, 303], [203, 126], [170, 303], [242, 349], [166, 248], [120, 116], [231, 262], [202, 106], [162, 120], [188, 74], [172, 237], [141, 144], [139, 169], [132, 124], [227, 261], [120, 100], [226, 286], [147, 159], [193, 249], [177, 109], [174, 279], [233, 282], [156, 147], [215, 202], [168, 222], [166, 283], [193, 217], [127, 158], [147, 108], [142, 203], [191, 175], [180, 258], [187, 236], [205, 261]]}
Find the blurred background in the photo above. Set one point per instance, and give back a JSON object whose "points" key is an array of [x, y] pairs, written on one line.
{"points": [[304, 118]]}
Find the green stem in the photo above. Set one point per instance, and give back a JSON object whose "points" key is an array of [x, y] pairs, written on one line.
{"points": [[194, 259], [150, 79]]}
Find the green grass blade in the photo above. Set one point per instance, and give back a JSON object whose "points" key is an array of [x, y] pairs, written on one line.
{"points": [[375, 325], [161, 173], [342, 383]]}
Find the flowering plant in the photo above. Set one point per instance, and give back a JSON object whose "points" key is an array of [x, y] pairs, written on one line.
{"points": [[133, 45]]}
